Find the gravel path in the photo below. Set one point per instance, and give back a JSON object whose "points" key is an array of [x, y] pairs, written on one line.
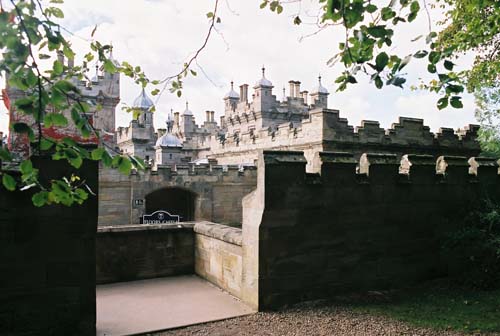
{"points": [[308, 320]]}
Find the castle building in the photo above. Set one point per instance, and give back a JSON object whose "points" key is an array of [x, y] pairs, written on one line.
{"points": [[203, 170]]}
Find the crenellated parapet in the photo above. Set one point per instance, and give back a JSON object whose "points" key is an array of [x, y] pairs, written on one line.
{"points": [[328, 131], [366, 223], [381, 168]]}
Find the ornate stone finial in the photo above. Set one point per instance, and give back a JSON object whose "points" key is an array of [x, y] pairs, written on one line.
{"points": [[319, 79], [284, 93], [263, 71], [364, 165], [186, 105], [170, 121], [405, 165], [441, 165], [232, 85], [473, 165]]}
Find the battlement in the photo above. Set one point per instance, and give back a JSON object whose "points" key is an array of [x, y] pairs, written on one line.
{"points": [[380, 168], [325, 126]]}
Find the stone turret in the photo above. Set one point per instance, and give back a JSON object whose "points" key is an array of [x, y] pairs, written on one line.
{"points": [[319, 96], [231, 100], [187, 123], [263, 99], [145, 104]]}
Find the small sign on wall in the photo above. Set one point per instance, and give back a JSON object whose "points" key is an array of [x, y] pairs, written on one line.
{"points": [[160, 217], [138, 202]]}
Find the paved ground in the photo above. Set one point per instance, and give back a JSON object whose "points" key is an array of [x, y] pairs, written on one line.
{"points": [[158, 304], [309, 319]]}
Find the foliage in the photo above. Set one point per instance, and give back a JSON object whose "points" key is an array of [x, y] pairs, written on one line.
{"points": [[31, 40], [488, 114], [473, 252], [440, 306]]}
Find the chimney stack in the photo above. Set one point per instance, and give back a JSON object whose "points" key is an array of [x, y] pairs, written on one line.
{"points": [[207, 113], [221, 121], [176, 118], [244, 93], [292, 88], [304, 96], [212, 116], [297, 89]]}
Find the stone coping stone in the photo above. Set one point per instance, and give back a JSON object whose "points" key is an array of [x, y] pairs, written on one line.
{"points": [[146, 227], [222, 232]]}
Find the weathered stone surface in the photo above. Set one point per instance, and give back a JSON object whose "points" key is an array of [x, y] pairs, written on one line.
{"points": [[133, 252], [218, 256], [305, 240], [47, 284]]}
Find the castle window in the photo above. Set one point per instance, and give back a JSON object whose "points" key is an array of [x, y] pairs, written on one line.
{"points": [[170, 156]]}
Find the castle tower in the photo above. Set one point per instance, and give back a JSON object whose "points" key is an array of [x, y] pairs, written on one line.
{"points": [[168, 147], [231, 100], [187, 123], [105, 90], [263, 99], [319, 96], [145, 104]]}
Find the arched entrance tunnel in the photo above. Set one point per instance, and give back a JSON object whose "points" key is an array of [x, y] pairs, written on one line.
{"points": [[176, 201]]}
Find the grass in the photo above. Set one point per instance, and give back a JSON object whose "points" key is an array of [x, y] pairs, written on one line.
{"points": [[437, 307]]}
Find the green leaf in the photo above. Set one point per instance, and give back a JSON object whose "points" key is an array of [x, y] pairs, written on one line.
{"points": [[125, 165], [412, 16], [25, 105], [26, 167], [456, 102], [371, 8], [9, 182], [414, 7], [448, 65], [377, 31], [381, 61], [442, 103], [21, 127], [431, 68], [106, 159], [57, 68], [434, 57], [109, 67], [5, 154], [40, 198], [297, 21], [97, 153], [387, 13], [46, 144], [420, 54], [378, 82]]}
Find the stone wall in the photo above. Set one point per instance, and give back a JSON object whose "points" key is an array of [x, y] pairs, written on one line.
{"points": [[218, 255], [133, 252], [309, 236], [47, 255], [218, 192]]}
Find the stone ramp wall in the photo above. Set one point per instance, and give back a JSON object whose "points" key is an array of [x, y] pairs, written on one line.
{"points": [[134, 252], [311, 236], [218, 255]]}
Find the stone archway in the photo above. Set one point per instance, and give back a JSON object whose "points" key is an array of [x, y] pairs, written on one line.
{"points": [[176, 201]]}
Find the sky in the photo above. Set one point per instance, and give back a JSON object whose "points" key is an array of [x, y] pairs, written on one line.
{"points": [[160, 35]]}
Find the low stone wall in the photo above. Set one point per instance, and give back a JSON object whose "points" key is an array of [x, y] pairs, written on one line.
{"points": [[218, 255], [133, 252]]}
